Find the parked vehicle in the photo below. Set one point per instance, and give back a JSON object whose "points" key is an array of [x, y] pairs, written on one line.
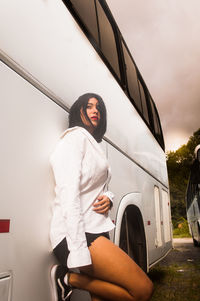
{"points": [[51, 52], [193, 199]]}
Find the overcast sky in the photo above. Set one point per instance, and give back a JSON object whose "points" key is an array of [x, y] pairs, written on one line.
{"points": [[164, 39]]}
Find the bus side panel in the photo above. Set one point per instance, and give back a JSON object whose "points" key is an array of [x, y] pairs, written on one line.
{"points": [[30, 126], [129, 178], [54, 50], [193, 217]]}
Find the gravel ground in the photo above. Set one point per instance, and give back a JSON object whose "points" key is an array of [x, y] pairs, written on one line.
{"points": [[177, 276], [183, 251]]}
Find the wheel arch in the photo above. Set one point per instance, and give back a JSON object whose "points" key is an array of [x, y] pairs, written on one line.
{"points": [[131, 205]]}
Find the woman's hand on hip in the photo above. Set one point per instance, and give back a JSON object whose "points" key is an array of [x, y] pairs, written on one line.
{"points": [[102, 205]]}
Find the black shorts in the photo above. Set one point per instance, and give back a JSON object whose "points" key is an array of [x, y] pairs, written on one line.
{"points": [[61, 251]]}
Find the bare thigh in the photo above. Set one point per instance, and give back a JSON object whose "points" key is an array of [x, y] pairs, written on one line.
{"points": [[111, 264]]}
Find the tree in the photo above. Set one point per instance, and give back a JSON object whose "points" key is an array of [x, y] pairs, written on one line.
{"points": [[179, 164]]}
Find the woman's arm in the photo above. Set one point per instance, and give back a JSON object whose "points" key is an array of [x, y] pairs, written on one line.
{"points": [[67, 162]]}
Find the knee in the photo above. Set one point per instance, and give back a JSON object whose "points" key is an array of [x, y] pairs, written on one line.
{"points": [[149, 291], [146, 291]]}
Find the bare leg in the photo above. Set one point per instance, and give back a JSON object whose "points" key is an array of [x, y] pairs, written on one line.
{"points": [[100, 288], [97, 298], [113, 274]]}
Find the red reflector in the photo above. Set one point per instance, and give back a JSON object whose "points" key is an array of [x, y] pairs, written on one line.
{"points": [[4, 225], [149, 223]]}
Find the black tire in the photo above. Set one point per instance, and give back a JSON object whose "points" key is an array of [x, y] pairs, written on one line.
{"points": [[195, 242], [132, 237]]}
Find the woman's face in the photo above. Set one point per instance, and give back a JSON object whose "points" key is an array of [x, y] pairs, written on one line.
{"points": [[92, 113]]}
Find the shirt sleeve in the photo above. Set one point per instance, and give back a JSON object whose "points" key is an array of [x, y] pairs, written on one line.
{"points": [[67, 162]]}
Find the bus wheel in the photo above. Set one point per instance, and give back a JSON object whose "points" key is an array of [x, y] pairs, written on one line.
{"points": [[195, 242], [132, 236]]}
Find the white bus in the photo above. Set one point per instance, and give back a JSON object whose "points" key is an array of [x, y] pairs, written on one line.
{"points": [[193, 199], [51, 52]]}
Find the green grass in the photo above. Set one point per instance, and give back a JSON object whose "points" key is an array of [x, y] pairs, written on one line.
{"points": [[182, 235], [176, 282], [182, 229]]}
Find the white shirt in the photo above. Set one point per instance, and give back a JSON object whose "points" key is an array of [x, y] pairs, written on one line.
{"points": [[81, 173]]}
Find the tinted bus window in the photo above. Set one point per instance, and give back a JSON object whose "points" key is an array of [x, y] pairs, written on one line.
{"points": [[107, 40], [144, 103], [87, 13], [156, 124], [132, 80]]}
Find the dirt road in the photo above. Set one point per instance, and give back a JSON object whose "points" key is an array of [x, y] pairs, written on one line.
{"points": [[177, 276], [184, 251]]}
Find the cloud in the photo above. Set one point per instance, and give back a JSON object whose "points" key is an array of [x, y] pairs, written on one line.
{"points": [[163, 39]]}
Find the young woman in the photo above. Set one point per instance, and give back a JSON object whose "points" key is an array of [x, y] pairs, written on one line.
{"points": [[81, 224]]}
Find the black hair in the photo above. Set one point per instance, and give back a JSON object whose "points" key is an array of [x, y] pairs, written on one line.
{"points": [[75, 115]]}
